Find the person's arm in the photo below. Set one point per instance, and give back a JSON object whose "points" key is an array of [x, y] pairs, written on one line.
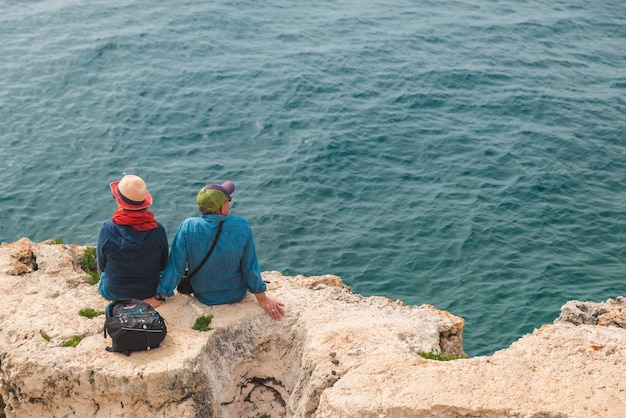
{"points": [[252, 273], [271, 306], [249, 265], [164, 249], [176, 264], [100, 257], [155, 301]]}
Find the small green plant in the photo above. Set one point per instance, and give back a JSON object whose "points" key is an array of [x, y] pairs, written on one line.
{"points": [[440, 355], [90, 313], [45, 335], [203, 322], [58, 240], [73, 342], [90, 265]]}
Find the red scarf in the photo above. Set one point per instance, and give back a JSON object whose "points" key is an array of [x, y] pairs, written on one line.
{"points": [[141, 220]]}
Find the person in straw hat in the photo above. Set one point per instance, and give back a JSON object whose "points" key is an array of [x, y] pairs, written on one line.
{"points": [[132, 247], [232, 268]]}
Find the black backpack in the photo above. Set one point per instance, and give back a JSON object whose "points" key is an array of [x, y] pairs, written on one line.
{"points": [[133, 325]]}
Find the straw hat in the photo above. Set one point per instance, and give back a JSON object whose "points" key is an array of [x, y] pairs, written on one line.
{"points": [[131, 193]]}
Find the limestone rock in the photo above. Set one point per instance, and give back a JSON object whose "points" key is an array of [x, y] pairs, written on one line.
{"points": [[609, 313], [247, 365], [557, 371], [335, 354]]}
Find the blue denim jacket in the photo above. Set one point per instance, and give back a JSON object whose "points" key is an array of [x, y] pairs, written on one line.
{"points": [[230, 272]]}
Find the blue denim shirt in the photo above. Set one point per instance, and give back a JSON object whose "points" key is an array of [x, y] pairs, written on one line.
{"points": [[230, 272]]}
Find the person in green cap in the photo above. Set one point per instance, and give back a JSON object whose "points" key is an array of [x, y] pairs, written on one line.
{"points": [[231, 269]]}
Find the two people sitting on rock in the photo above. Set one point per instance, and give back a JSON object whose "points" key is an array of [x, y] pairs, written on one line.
{"points": [[230, 271]]}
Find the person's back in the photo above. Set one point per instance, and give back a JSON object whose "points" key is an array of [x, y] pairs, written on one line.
{"points": [[232, 268], [131, 260], [132, 247]]}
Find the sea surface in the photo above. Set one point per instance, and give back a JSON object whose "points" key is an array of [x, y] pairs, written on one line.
{"points": [[469, 154]]}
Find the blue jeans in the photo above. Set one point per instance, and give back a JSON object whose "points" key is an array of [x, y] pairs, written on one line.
{"points": [[102, 290]]}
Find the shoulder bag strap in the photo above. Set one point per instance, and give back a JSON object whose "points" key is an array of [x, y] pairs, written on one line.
{"points": [[206, 257]]}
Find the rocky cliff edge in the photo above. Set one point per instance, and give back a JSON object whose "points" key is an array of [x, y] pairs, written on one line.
{"points": [[335, 354]]}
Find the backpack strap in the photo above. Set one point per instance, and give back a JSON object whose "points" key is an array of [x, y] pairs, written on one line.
{"points": [[206, 257], [107, 315]]}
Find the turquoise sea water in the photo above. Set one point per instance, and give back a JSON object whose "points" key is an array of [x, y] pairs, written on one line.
{"points": [[465, 154]]}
